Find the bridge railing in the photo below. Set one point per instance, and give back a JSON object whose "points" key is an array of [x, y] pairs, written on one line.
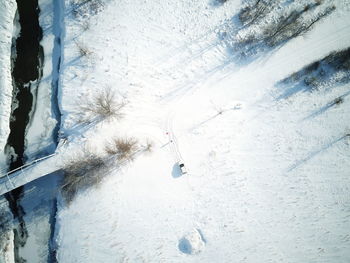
{"points": [[24, 167]]}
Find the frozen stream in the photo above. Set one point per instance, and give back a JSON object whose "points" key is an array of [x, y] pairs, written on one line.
{"points": [[34, 125]]}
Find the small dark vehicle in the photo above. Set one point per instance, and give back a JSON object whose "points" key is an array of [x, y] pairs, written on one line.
{"points": [[182, 168]]}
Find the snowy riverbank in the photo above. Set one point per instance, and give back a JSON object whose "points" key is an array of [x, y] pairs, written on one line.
{"points": [[7, 17]]}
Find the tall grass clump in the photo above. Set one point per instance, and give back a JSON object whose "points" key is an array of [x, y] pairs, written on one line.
{"points": [[123, 148]]}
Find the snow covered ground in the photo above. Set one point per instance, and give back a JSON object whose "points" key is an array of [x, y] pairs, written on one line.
{"points": [[264, 183], [267, 175], [7, 30]]}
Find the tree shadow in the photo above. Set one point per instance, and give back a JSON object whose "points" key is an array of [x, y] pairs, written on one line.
{"points": [[325, 108], [324, 74], [313, 154], [233, 50], [249, 35]]}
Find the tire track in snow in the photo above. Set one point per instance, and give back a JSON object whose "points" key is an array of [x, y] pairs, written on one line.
{"points": [[172, 138], [176, 153]]}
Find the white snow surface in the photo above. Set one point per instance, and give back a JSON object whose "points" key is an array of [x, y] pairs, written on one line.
{"points": [[38, 137], [264, 183], [7, 15]]}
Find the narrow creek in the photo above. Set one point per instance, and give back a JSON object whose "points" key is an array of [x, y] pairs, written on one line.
{"points": [[27, 71]]}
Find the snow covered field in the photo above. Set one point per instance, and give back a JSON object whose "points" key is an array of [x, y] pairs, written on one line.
{"points": [[267, 163], [265, 183]]}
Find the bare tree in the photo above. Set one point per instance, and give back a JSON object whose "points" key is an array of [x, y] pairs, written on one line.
{"points": [[268, 24], [83, 50], [149, 146], [103, 105], [82, 171]]}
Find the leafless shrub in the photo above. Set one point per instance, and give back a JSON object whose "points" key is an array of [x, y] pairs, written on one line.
{"points": [[325, 70], [219, 110], [338, 101], [255, 10], [269, 24], [81, 172], [102, 106], [84, 8], [123, 148], [83, 50], [5, 228], [85, 25], [87, 169], [293, 25], [149, 146], [311, 81], [286, 26], [111, 149], [322, 74], [96, 6]]}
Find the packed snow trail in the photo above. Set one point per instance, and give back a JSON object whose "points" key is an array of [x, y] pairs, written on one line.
{"points": [[172, 139]]}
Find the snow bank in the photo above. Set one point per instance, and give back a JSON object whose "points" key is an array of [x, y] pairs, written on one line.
{"points": [[7, 16], [39, 133], [7, 235]]}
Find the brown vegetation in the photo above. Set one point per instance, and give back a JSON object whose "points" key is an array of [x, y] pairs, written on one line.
{"points": [[102, 106], [81, 172], [123, 148]]}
